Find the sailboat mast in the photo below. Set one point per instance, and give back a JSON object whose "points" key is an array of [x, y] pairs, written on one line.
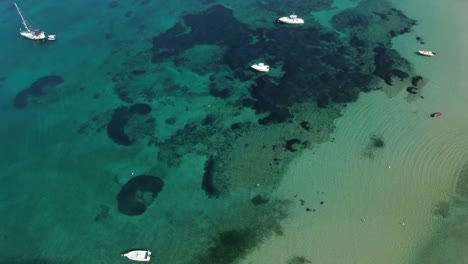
{"points": [[22, 18]]}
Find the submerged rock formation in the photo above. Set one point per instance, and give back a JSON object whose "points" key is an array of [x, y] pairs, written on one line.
{"points": [[116, 128], [138, 194], [38, 88]]}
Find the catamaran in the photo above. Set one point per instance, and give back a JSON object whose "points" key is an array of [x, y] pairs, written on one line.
{"points": [[34, 34]]}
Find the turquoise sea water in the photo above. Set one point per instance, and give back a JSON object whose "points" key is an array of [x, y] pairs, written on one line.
{"points": [[142, 125]]}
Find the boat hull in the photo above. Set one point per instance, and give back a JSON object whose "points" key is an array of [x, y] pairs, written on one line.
{"points": [[426, 53], [140, 255], [33, 36], [288, 20], [260, 68]]}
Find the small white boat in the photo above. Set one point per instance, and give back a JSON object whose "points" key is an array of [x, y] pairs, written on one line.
{"points": [[33, 34], [261, 67], [137, 255], [292, 19], [426, 53]]}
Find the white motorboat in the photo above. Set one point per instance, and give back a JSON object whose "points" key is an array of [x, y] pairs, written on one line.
{"points": [[292, 19], [137, 255], [426, 53], [34, 34], [261, 67], [50, 37]]}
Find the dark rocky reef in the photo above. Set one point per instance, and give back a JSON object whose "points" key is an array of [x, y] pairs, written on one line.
{"points": [[385, 60], [141, 109], [293, 145], [193, 31], [377, 142], [208, 184], [138, 194], [420, 40], [303, 68], [306, 125], [329, 69], [383, 64], [400, 74], [276, 116], [385, 22], [121, 116], [236, 126], [416, 80], [412, 90], [116, 127], [442, 209], [38, 88], [209, 120], [171, 120], [369, 13], [259, 200], [138, 72], [220, 93], [298, 260], [184, 140], [229, 246]]}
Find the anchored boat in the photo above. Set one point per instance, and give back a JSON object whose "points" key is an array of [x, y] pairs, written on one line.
{"points": [[261, 67], [426, 53], [33, 34], [137, 255], [292, 19]]}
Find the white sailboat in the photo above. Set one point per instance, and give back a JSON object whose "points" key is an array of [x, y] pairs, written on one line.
{"points": [[34, 34]]}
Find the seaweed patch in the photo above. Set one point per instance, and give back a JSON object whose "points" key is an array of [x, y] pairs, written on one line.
{"points": [[229, 246], [118, 128], [208, 184], [138, 194], [39, 88]]}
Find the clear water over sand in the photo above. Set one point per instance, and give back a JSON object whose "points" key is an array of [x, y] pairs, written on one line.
{"points": [[401, 205]]}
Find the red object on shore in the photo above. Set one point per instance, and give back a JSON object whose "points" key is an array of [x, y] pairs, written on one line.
{"points": [[436, 114]]}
